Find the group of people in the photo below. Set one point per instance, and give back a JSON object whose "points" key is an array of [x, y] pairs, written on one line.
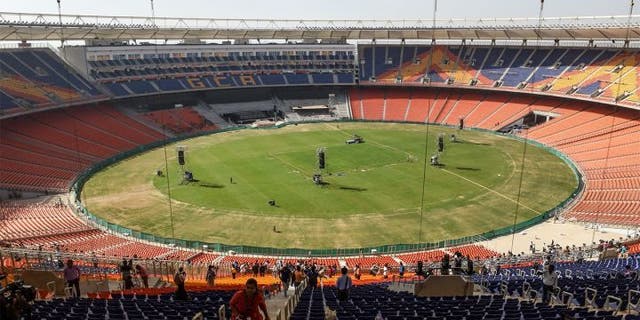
{"points": [[290, 274], [256, 269], [129, 272], [458, 265], [249, 303], [71, 274], [261, 269]]}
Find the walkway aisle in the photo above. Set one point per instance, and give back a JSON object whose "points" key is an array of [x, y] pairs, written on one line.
{"points": [[278, 302]]}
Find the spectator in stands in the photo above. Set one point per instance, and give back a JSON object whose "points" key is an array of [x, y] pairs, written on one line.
{"points": [[374, 270], [266, 292], [322, 274], [332, 270], [445, 265], [343, 284], [420, 269], [235, 265], [532, 247], [469, 265], [357, 273], [94, 260], [312, 275], [14, 306], [211, 275], [6, 310], [264, 267], [549, 281], [486, 267], [285, 278], [623, 252], [179, 279], [72, 277], [125, 269], [547, 262], [298, 276], [255, 269], [144, 276], [580, 255], [498, 268], [385, 271], [457, 263], [401, 269], [247, 303]]}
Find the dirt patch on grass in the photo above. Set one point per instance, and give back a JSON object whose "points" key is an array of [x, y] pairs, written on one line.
{"points": [[130, 199]]}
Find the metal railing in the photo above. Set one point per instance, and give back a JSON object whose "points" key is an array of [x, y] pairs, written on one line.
{"points": [[146, 22]]}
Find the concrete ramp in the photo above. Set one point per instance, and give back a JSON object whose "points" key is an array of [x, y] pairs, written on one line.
{"points": [[39, 279], [444, 286]]}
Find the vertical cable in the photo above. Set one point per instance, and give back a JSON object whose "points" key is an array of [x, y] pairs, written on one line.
{"points": [[525, 142], [60, 22], [515, 215], [605, 167], [75, 121], [426, 134], [626, 38], [424, 174], [433, 41], [166, 169], [164, 132], [2, 212]]}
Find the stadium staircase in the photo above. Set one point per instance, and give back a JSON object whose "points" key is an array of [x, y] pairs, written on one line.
{"points": [[135, 116], [449, 105], [437, 106], [479, 71], [571, 65], [511, 64], [207, 112], [506, 111], [447, 113], [341, 106]]}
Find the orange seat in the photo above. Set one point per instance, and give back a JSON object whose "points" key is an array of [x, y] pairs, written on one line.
{"points": [[44, 294]]}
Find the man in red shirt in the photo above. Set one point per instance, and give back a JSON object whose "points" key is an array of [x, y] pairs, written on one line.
{"points": [[247, 303]]}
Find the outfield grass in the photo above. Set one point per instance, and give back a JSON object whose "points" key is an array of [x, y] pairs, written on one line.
{"points": [[372, 196]]}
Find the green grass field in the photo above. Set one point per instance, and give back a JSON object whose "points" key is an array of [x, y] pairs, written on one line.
{"points": [[372, 196]]}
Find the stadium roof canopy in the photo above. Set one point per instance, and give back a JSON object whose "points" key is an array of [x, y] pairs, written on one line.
{"points": [[30, 27]]}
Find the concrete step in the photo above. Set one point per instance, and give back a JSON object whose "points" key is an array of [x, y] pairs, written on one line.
{"points": [[277, 302]]}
